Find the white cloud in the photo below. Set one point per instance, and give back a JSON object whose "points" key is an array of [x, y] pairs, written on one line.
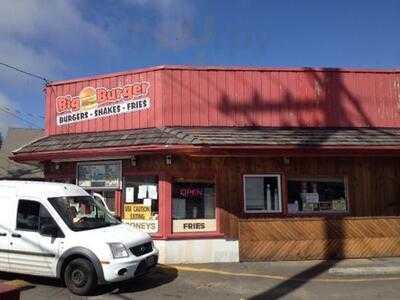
{"points": [[40, 36], [40, 61], [34, 31], [58, 20], [174, 27]]}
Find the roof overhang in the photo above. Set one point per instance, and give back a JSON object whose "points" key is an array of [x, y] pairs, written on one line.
{"points": [[100, 152], [206, 151], [214, 141]]}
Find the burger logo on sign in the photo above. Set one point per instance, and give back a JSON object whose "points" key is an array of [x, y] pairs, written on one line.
{"points": [[92, 103], [88, 98]]}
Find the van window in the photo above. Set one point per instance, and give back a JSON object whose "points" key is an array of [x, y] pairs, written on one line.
{"points": [[45, 219], [32, 216], [82, 212], [28, 215]]}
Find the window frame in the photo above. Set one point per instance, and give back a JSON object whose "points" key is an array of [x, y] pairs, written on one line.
{"points": [[100, 162], [217, 218], [159, 219], [61, 233], [316, 178], [280, 194], [16, 219]]}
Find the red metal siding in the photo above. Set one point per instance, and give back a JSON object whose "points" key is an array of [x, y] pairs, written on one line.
{"points": [[241, 97]]}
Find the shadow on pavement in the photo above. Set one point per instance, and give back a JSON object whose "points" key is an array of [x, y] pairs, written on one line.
{"points": [[332, 250], [295, 282], [156, 277], [31, 280]]}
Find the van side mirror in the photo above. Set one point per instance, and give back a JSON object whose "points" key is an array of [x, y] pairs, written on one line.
{"points": [[49, 230]]}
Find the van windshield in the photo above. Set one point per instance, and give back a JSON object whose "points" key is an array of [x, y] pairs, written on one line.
{"points": [[82, 212]]}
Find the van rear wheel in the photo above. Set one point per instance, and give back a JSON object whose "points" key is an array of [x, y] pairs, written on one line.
{"points": [[80, 277]]}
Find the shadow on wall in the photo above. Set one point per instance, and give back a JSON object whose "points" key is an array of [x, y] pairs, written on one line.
{"points": [[329, 109], [318, 99], [334, 105], [333, 252], [330, 106]]}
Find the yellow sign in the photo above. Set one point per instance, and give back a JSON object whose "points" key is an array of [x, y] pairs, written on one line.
{"points": [[137, 212]]}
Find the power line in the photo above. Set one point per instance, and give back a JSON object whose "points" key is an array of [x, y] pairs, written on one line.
{"points": [[26, 72], [18, 117], [19, 112], [16, 113]]}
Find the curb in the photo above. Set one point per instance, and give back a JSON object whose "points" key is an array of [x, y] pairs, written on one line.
{"points": [[365, 271]]}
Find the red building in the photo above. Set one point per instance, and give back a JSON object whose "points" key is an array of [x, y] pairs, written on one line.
{"points": [[222, 164]]}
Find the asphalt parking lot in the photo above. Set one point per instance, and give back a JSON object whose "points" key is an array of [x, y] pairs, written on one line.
{"points": [[284, 280]]}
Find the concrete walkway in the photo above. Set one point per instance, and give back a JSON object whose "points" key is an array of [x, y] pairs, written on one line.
{"points": [[299, 270]]}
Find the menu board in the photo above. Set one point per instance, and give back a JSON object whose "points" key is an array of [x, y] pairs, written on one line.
{"points": [[107, 175]]}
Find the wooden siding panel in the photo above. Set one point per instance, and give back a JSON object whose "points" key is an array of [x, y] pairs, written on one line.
{"points": [[203, 98], [176, 88], [212, 106], [158, 102], [285, 239], [167, 97], [186, 99], [195, 101], [219, 96]]}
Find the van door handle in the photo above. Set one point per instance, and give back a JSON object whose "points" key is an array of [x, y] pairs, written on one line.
{"points": [[16, 235], [3, 234]]}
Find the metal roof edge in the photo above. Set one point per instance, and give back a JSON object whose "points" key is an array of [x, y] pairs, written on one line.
{"points": [[228, 68]]}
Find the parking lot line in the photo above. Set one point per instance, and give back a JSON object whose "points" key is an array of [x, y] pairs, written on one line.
{"points": [[277, 277]]}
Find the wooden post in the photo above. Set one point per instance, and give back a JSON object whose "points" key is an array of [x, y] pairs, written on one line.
{"points": [[119, 204], [165, 205]]}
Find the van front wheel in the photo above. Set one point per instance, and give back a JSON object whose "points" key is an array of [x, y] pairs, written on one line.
{"points": [[80, 277]]}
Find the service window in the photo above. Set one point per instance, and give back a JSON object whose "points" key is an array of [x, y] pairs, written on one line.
{"points": [[262, 193], [141, 203], [193, 206], [100, 175], [322, 195]]}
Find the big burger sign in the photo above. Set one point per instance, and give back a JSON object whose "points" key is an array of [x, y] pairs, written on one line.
{"points": [[100, 102]]}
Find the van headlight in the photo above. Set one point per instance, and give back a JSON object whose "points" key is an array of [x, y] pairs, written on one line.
{"points": [[118, 250]]}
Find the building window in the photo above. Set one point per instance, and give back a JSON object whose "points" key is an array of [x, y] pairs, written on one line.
{"points": [[100, 175], [310, 195], [193, 206], [262, 193], [141, 202]]}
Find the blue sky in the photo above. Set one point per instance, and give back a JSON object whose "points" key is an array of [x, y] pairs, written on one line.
{"points": [[63, 39]]}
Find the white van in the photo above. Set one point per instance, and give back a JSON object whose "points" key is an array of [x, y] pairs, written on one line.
{"points": [[59, 230]]}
